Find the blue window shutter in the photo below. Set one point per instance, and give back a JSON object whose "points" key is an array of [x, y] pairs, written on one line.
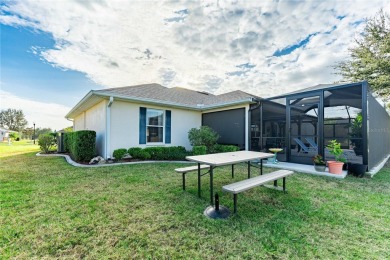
{"points": [[167, 126], [142, 125]]}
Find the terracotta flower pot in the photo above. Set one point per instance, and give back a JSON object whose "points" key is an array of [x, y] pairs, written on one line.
{"points": [[335, 167]]}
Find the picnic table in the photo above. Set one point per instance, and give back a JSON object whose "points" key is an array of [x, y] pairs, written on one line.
{"points": [[230, 158]]}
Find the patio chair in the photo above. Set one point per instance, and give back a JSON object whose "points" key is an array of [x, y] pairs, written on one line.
{"points": [[311, 142], [304, 148]]}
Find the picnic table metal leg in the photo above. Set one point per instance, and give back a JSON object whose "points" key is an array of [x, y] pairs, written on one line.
{"points": [[184, 181], [284, 184], [232, 171], [276, 183], [235, 202], [211, 186], [199, 180], [261, 166], [249, 170]]}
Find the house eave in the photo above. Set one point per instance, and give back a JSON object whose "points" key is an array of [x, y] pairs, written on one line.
{"points": [[100, 95], [173, 104]]}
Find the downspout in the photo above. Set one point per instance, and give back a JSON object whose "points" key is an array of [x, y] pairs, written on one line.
{"points": [[108, 128]]}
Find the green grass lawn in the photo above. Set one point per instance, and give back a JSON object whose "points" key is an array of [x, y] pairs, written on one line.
{"points": [[49, 209]]}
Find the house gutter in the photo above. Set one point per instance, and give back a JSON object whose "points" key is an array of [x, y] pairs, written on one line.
{"points": [[108, 128]]}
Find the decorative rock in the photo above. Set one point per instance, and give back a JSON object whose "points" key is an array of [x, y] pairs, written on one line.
{"points": [[102, 161], [96, 160], [127, 156]]}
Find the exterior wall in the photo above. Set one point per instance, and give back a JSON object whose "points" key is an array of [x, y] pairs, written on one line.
{"points": [[125, 125], [229, 124], [79, 122], [245, 119], [378, 132], [93, 119]]}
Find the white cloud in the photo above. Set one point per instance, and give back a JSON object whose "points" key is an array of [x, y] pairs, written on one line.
{"points": [[45, 115], [197, 45]]}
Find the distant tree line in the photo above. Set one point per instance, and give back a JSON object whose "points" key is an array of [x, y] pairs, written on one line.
{"points": [[14, 119]]}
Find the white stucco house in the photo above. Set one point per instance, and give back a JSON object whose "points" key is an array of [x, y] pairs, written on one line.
{"points": [[4, 134], [154, 115]]}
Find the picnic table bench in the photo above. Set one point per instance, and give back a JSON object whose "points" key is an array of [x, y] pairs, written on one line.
{"points": [[184, 170], [247, 184]]}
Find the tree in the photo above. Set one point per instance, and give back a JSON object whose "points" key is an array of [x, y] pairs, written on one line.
{"points": [[370, 59], [13, 119], [27, 133], [68, 129]]}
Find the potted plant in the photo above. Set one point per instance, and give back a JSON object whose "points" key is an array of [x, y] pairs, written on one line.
{"points": [[336, 166], [319, 163]]}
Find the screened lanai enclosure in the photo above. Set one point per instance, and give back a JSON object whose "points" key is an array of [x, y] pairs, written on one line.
{"points": [[302, 123]]}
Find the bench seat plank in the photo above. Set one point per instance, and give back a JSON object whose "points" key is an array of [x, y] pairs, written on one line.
{"points": [[247, 184], [192, 168]]}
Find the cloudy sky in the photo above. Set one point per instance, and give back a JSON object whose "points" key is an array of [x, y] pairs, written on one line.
{"points": [[54, 52]]}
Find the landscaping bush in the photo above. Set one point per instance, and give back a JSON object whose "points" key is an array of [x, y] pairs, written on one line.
{"points": [[203, 136], [119, 153], [46, 142], [156, 153], [134, 152], [14, 136], [176, 153], [220, 148], [81, 145], [199, 150], [159, 153], [143, 155]]}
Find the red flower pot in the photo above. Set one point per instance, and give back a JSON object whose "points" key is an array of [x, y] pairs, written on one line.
{"points": [[335, 167]]}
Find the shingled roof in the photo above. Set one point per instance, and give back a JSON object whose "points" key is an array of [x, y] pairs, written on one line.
{"points": [[177, 95], [160, 95]]}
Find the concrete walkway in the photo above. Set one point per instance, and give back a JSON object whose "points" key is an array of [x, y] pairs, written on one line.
{"points": [[305, 169]]}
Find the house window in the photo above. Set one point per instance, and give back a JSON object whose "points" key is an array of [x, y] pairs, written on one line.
{"points": [[154, 125]]}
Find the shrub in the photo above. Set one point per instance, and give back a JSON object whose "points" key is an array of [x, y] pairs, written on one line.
{"points": [[14, 136], [134, 152], [156, 153], [203, 136], [81, 145], [143, 155], [159, 153], [220, 148], [119, 153], [176, 153], [46, 142], [199, 150], [66, 142]]}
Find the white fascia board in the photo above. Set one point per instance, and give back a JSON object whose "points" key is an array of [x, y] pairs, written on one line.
{"points": [[87, 96], [228, 104]]}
